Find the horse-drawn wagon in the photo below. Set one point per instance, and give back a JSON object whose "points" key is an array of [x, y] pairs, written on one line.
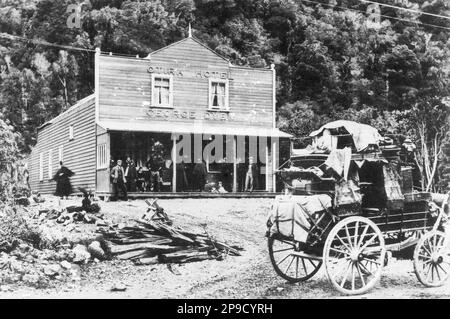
{"points": [[350, 198]]}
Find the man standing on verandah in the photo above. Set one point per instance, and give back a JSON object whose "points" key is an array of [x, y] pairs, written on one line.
{"points": [[119, 181], [251, 176]]}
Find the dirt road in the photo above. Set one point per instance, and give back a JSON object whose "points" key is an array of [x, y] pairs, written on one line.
{"points": [[237, 221]]}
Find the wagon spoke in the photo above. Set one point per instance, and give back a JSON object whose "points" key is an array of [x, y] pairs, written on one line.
{"points": [[304, 266], [437, 272], [442, 268], [284, 249], [344, 279], [314, 265], [356, 234], [441, 243], [431, 245], [360, 274], [369, 242], [362, 236], [345, 245], [290, 264], [425, 263], [353, 276], [423, 256], [434, 243], [340, 251], [296, 267], [348, 236], [278, 263], [367, 270], [430, 270], [426, 249]]}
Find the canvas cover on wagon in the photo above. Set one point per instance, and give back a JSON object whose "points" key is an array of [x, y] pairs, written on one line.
{"points": [[291, 214]]}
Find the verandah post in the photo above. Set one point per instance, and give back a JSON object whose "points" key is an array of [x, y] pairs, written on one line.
{"points": [[174, 164], [234, 165], [267, 168], [274, 162]]}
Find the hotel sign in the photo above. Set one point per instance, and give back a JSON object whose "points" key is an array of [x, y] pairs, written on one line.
{"points": [[201, 74]]}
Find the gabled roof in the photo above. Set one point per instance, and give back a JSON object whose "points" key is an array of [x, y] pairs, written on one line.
{"points": [[73, 107], [190, 38]]}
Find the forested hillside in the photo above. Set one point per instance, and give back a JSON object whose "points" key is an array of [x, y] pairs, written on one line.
{"points": [[332, 59]]}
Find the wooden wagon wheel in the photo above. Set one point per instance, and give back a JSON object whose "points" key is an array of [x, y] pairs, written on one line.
{"points": [[289, 264], [431, 259], [354, 255]]}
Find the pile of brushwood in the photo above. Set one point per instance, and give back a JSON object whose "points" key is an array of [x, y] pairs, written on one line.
{"points": [[154, 240]]}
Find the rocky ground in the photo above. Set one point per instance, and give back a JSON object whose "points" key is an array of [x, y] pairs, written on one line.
{"points": [[235, 221]]}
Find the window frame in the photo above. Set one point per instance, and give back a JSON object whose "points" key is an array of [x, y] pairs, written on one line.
{"points": [[167, 77], [226, 107], [50, 164], [102, 154], [71, 133]]}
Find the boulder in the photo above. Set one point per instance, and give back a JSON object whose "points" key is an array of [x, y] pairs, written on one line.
{"points": [[65, 264], [31, 278], [52, 270], [96, 250], [82, 255]]}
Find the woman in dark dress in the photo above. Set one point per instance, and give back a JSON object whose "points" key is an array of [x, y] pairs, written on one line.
{"points": [[62, 178]]}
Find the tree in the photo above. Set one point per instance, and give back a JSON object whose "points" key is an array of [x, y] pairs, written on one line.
{"points": [[9, 155]]}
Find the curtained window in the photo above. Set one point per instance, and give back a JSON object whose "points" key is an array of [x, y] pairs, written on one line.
{"points": [[218, 91], [162, 91]]}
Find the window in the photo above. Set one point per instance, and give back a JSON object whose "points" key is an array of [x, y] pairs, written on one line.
{"points": [[162, 90], [70, 132], [102, 159], [218, 94], [61, 154], [41, 166], [50, 166]]}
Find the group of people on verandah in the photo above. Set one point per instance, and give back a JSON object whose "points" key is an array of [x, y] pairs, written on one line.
{"points": [[128, 178], [131, 179]]}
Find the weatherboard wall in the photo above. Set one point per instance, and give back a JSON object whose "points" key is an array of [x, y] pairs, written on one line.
{"points": [[79, 154]]}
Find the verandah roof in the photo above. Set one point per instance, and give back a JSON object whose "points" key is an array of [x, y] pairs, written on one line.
{"points": [[179, 128]]}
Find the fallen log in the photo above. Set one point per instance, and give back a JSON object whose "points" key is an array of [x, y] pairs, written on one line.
{"points": [[159, 240], [183, 257], [225, 247], [166, 230], [117, 249], [146, 261], [133, 255]]}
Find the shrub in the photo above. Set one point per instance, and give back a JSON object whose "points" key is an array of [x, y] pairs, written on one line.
{"points": [[14, 228]]}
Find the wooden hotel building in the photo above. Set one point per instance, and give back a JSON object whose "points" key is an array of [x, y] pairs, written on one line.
{"points": [[143, 105]]}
